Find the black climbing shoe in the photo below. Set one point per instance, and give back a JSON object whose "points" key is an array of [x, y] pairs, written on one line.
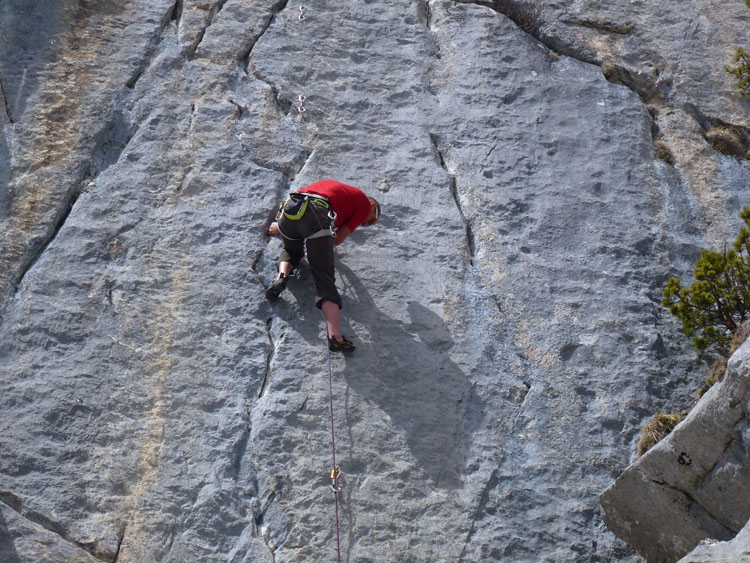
{"points": [[275, 289], [343, 346]]}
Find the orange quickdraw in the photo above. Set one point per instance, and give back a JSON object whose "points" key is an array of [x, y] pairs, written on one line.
{"points": [[335, 474]]}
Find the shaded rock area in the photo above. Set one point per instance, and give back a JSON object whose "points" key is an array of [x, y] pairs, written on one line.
{"points": [[693, 484], [510, 341]]}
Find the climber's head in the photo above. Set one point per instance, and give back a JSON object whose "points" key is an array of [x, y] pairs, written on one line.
{"points": [[374, 215]]}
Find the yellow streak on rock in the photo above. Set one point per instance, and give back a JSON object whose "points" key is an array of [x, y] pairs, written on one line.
{"points": [[165, 314], [52, 136]]}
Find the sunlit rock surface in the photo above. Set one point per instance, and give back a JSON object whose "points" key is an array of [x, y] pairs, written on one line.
{"points": [[510, 340]]}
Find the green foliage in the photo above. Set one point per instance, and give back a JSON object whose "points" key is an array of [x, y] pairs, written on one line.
{"points": [[741, 71], [713, 308]]}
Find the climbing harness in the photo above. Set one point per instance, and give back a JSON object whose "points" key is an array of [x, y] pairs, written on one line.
{"points": [[295, 206], [336, 471]]}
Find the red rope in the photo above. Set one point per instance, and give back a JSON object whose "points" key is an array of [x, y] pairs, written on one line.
{"points": [[335, 472]]}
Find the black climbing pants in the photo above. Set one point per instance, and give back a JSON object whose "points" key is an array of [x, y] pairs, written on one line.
{"points": [[295, 235]]}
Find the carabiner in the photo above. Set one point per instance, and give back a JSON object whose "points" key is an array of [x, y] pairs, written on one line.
{"points": [[335, 474]]}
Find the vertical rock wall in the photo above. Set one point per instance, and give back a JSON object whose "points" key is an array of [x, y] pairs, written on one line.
{"points": [[510, 341]]}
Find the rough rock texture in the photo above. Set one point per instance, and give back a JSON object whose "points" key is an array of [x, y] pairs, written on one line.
{"points": [[712, 551], [510, 342], [694, 484]]}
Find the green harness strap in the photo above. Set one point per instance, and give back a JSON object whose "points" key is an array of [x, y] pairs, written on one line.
{"points": [[296, 216], [299, 214]]}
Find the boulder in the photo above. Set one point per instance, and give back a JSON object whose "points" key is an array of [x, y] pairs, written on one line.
{"points": [[693, 484]]}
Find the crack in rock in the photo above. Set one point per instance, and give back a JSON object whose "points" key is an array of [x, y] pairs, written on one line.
{"points": [[693, 501], [526, 15], [484, 499], [618, 73], [270, 355], [66, 208], [652, 89], [470, 240], [288, 172], [15, 503], [289, 175], [606, 26], [493, 481], [110, 143], [5, 101], [282, 104], [260, 516], [188, 140], [176, 13], [120, 540], [240, 448], [212, 11], [649, 87], [238, 111], [645, 86], [424, 13], [246, 53], [726, 138], [173, 14], [247, 50], [264, 532]]}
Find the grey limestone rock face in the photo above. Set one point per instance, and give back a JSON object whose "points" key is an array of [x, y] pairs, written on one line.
{"points": [[28, 536], [693, 484], [713, 551], [673, 56], [510, 341]]}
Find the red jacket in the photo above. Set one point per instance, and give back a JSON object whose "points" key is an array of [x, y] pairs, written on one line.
{"points": [[351, 204]]}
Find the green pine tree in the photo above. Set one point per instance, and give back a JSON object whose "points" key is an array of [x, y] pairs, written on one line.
{"points": [[741, 71], [714, 307]]}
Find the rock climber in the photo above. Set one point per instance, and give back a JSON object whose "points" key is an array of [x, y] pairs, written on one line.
{"points": [[316, 219]]}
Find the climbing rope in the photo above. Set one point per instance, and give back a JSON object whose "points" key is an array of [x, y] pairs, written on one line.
{"points": [[336, 471]]}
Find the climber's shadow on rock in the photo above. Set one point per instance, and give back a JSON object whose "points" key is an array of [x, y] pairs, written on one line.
{"points": [[407, 371]]}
